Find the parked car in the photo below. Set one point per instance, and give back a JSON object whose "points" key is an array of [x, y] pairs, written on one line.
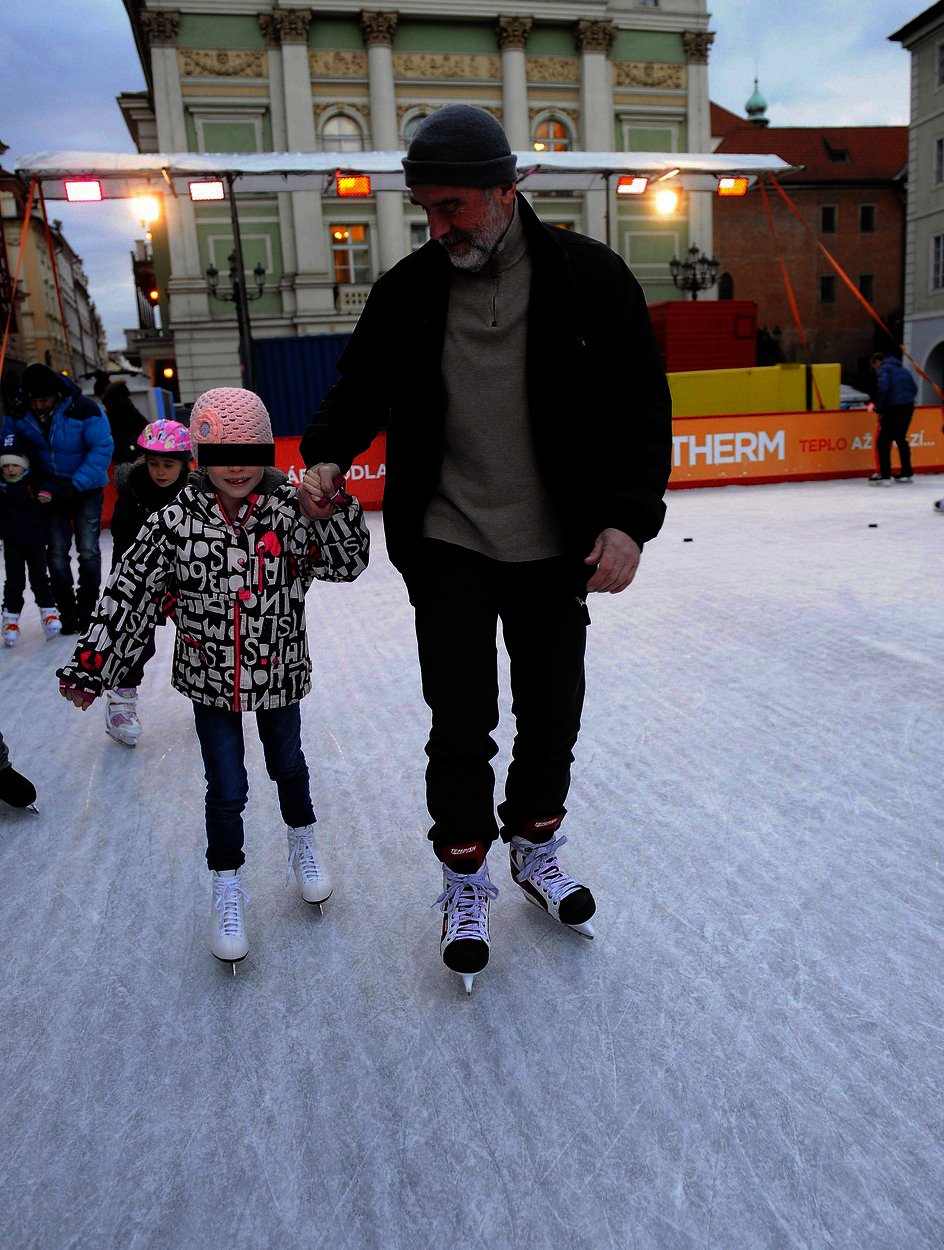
{"points": [[849, 397]]}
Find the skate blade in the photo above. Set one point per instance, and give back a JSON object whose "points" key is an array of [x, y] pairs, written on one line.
{"points": [[231, 962], [317, 902], [121, 742], [31, 807], [467, 979]]}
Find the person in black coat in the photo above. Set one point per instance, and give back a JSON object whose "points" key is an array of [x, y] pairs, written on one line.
{"points": [[125, 420], [25, 497], [528, 419]]}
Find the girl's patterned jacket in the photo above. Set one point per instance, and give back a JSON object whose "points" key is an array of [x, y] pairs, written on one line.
{"points": [[240, 587]]}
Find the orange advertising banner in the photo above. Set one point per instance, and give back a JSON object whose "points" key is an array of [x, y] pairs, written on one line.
{"points": [[792, 446]]}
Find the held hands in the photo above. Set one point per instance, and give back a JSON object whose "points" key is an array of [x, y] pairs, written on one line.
{"points": [[81, 698], [315, 492], [617, 557]]}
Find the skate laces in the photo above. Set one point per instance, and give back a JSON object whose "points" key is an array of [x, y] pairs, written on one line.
{"points": [[539, 866], [228, 897], [464, 902], [301, 854]]}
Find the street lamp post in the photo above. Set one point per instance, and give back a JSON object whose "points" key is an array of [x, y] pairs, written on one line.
{"points": [[696, 273], [237, 294]]}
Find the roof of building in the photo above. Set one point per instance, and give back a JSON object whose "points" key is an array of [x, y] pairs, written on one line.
{"points": [[917, 25], [827, 153]]}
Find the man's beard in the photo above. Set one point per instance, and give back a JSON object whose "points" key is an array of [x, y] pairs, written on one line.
{"points": [[482, 243]]}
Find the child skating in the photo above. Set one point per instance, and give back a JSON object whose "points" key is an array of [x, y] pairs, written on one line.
{"points": [[239, 555], [24, 528], [143, 487]]}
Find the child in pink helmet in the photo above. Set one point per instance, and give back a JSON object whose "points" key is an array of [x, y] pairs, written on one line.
{"points": [[144, 486], [238, 553]]}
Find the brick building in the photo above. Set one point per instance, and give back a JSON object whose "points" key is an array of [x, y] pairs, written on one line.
{"points": [[851, 191]]}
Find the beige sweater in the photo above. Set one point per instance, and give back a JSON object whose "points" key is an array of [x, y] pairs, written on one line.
{"points": [[490, 497]]}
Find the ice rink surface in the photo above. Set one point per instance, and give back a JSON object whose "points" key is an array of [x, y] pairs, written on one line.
{"points": [[747, 1056]]}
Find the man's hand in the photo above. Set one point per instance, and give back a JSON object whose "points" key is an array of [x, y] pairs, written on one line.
{"points": [[315, 489], [617, 557]]}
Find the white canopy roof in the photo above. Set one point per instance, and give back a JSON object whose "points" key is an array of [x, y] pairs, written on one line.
{"points": [[266, 172]]}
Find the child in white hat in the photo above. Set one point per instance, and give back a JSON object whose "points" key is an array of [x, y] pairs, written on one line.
{"points": [[239, 555]]}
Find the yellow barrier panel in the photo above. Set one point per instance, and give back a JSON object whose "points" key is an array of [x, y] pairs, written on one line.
{"points": [[769, 388]]}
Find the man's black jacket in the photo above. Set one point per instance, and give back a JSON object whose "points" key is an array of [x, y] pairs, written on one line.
{"points": [[598, 398]]}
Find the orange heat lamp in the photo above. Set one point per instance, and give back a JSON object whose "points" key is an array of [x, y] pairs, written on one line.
{"points": [[84, 191], [154, 296], [631, 184], [732, 186], [352, 186], [168, 372]]}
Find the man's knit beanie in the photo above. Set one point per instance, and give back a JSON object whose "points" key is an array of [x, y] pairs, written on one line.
{"points": [[39, 381], [459, 146], [230, 426]]}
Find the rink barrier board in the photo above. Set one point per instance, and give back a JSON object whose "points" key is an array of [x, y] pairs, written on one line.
{"points": [[747, 449]]}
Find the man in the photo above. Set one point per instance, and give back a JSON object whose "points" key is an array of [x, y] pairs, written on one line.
{"points": [[895, 392], [528, 448], [69, 435]]}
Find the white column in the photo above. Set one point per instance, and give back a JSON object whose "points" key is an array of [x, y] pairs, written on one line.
{"points": [[280, 144], [313, 293], [594, 41], [378, 30], [700, 203], [512, 35]]}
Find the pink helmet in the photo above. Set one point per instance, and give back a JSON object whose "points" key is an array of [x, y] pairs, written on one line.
{"points": [[165, 438]]}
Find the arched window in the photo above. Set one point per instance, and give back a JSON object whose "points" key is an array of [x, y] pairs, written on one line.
{"points": [[410, 125], [551, 135], [342, 133], [725, 287]]}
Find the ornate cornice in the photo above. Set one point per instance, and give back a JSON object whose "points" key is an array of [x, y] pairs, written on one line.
{"points": [[697, 43], [330, 63], [595, 36], [648, 74], [270, 30], [446, 65], [161, 27], [207, 63], [513, 32], [378, 29]]}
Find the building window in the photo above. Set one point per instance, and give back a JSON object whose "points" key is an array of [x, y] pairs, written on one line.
{"points": [[937, 263], [419, 235], [410, 125], [647, 4], [827, 219], [867, 286], [725, 287], [351, 254], [342, 133], [940, 64], [551, 135], [867, 218], [827, 288]]}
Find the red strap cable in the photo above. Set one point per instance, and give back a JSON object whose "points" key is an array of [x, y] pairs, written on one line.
{"points": [[852, 286], [790, 296]]}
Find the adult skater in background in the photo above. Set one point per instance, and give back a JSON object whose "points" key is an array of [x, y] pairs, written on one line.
{"points": [[528, 450], [895, 393]]}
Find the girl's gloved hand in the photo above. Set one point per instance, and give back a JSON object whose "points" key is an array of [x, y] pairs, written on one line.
{"points": [[81, 698]]}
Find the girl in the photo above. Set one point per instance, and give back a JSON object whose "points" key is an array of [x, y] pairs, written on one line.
{"points": [[239, 555], [143, 487]]}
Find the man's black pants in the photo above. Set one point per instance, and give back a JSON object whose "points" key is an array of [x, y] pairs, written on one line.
{"points": [[459, 597], [18, 558], [893, 428]]}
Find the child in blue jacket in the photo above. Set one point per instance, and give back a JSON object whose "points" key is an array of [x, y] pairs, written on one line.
{"points": [[24, 528]]}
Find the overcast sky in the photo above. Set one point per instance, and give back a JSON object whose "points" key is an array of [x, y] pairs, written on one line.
{"points": [[820, 62]]}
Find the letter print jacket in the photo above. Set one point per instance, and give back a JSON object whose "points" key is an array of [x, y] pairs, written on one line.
{"points": [[236, 587]]}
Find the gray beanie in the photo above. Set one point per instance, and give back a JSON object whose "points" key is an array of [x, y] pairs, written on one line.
{"points": [[459, 146]]}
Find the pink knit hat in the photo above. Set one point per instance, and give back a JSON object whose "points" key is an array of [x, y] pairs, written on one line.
{"points": [[231, 426]]}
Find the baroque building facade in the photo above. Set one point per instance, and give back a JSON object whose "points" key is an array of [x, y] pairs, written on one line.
{"points": [[242, 76]]}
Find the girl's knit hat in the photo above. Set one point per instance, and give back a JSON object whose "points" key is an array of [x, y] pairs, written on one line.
{"points": [[231, 426]]}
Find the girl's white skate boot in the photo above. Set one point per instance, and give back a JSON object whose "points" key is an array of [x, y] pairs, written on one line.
{"points": [[228, 941], [535, 869], [121, 715], [465, 900], [52, 626], [313, 881], [10, 628]]}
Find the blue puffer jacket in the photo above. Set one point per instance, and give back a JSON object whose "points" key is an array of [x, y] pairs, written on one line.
{"points": [[79, 445], [895, 384]]}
